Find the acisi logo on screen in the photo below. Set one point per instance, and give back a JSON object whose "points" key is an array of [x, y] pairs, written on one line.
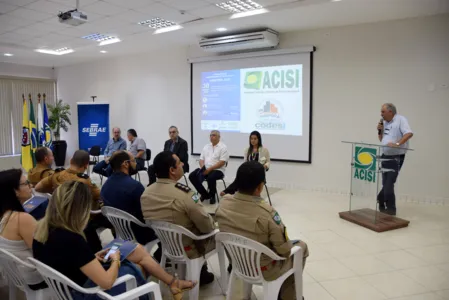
{"points": [[272, 79]]}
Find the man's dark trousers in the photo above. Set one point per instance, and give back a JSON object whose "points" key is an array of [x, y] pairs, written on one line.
{"points": [[197, 177], [386, 195], [103, 168]]}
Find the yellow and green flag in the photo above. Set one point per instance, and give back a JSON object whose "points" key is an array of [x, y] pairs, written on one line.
{"points": [[33, 131], [26, 157]]}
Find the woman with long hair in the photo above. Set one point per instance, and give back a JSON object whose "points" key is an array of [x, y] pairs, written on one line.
{"points": [[255, 152], [60, 243], [16, 226]]}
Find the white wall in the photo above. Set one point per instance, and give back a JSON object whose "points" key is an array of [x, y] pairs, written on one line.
{"points": [[8, 69], [356, 69]]}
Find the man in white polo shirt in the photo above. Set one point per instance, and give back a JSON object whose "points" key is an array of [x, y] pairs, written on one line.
{"points": [[394, 132], [213, 161]]}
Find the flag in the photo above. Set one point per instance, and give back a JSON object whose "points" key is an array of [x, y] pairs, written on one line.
{"points": [[33, 131], [26, 158], [40, 124], [47, 130]]}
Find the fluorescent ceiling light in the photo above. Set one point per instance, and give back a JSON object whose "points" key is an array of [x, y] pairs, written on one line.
{"points": [[98, 37], [167, 29], [8, 54], [103, 51], [249, 13], [221, 29], [109, 41], [60, 51], [157, 23], [237, 6]]}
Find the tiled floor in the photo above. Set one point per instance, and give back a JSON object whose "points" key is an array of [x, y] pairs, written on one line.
{"points": [[348, 262]]}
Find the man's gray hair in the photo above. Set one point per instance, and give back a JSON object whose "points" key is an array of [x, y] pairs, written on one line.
{"points": [[217, 132], [173, 126], [113, 128], [391, 107]]}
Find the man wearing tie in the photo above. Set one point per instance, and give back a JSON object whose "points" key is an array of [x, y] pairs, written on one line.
{"points": [[177, 146]]}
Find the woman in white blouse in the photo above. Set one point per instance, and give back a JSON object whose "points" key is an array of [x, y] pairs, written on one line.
{"points": [[255, 152]]}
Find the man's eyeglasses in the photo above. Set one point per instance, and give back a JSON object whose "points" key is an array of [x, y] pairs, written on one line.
{"points": [[172, 132], [213, 134], [25, 183]]}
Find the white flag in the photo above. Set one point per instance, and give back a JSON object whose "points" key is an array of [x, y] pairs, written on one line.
{"points": [[40, 125]]}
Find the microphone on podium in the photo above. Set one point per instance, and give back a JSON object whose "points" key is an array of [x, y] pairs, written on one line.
{"points": [[381, 122]]}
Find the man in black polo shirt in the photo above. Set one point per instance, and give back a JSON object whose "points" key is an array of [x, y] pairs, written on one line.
{"points": [[177, 146], [121, 191]]}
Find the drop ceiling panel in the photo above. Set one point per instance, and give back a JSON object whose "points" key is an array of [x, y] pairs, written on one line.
{"points": [[30, 14], [208, 11], [131, 4], [52, 8], [168, 13], [185, 5], [5, 7], [103, 8]]}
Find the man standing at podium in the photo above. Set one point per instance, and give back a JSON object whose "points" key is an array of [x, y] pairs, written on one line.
{"points": [[394, 132]]}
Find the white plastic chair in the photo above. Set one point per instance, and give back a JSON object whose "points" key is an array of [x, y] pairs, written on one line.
{"points": [[61, 285], [170, 236], [10, 266], [245, 257], [121, 221]]}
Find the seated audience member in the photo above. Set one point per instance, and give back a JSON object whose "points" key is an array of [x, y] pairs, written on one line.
{"points": [[59, 243], [177, 146], [44, 161], [78, 165], [247, 214], [169, 201], [16, 226], [255, 152], [137, 148], [213, 161], [123, 192], [114, 144]]}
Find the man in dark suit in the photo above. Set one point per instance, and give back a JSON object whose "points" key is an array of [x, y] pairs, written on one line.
{"points": [[177, 146]]}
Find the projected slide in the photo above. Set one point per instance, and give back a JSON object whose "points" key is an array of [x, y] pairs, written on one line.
{"points": [[267, 99]]}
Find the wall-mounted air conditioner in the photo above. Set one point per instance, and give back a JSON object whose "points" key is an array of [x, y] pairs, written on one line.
{"points": [[239, 42]]}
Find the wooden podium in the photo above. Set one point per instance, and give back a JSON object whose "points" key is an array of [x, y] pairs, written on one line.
{"points": [[366, 183]]}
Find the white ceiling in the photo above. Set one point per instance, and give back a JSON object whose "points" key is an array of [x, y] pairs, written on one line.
{"points": [[26, 25]]}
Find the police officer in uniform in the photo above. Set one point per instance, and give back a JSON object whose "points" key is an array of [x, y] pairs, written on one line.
{"points": [[44, 161], [169, 201], [78, 165], [247, 214]]}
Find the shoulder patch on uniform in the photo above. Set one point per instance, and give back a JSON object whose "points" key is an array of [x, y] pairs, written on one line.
{"points": [[82, 175], [182, 187], [195, 197], [57, 170], [277, 218]]}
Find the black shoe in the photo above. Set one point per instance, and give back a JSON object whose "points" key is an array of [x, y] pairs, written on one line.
{"points": [[229, 268], [206, 277], [204, 198], [391, 212]]}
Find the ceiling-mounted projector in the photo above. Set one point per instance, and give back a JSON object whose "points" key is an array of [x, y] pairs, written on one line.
{"points": [[72, 17]]}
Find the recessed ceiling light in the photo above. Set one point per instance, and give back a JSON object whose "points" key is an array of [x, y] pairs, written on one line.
{"points": [[103, 51], [60, 51], [109, 41], [8, 54], [98, 37], [238, 6], [335, 0], [167, 29], [249, 13], [157, 23], [221, 29]]}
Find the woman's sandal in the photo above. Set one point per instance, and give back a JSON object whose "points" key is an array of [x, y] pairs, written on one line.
{"points": [[177, 292]]}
